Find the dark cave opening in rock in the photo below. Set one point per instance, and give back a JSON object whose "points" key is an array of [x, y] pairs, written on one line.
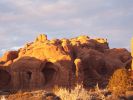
{"points": [[29, 75], [49, 72], [5, 78]]}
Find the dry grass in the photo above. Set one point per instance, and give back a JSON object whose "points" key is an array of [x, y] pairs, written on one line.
{"points": [[35, 95], [78, 93]]}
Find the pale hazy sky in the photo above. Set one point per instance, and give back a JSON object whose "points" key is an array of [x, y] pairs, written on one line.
{"points": [[23, 20]]}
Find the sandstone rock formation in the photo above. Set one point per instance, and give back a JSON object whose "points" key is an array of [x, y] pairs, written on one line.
{"points": [[132, 53], [45, 63], [132, 58]]}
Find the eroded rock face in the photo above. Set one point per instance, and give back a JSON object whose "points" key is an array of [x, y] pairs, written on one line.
{"points": [[8, 56], [5, 78], [132, 57], [45, 63], [132, 51]]}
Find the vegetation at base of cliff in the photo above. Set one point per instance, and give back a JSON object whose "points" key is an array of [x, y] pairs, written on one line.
{"points": [[120, 82], [58, 93]]}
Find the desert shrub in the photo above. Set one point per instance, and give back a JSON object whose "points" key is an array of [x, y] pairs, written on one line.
{"points": [[78, 93], [120, 82]]}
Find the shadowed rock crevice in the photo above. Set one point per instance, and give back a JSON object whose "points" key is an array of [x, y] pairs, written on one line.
{"points": [[29, 74], [5, 78], [49, 72]]}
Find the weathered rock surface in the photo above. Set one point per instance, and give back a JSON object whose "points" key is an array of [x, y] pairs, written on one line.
{"points": [[8, 56], [132, 58], [132, 51], [45, 63]]}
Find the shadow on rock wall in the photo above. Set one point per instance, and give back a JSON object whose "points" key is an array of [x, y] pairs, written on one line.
{"points": [[29, 73]]}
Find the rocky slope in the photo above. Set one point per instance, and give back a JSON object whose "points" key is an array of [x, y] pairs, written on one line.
{"points": [[64, 62]]}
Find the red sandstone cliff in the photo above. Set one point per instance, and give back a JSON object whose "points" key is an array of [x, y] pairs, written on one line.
{"points": [[64, 62]]}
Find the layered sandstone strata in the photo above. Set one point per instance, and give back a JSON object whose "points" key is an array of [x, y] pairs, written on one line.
{"points": [[45, 63]]}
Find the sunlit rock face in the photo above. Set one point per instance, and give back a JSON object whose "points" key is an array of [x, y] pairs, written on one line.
{"points": [[132, 58], [132, 51], [64, 62]]}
